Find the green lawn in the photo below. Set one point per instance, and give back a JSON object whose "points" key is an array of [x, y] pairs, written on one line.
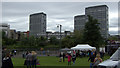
{"points": [[53, 61]]}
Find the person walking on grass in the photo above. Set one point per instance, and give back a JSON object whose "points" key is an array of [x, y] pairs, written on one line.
{"points": [[61, 56], [29, 60], [69, 59], [34, 59], [97, 60], [91, 59], [74, 58]]}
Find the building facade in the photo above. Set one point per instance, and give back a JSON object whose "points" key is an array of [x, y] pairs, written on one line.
{"points": [[37, 25], [101, 14], [79, 22], [6, 28], [57, 34], [13, 34]]}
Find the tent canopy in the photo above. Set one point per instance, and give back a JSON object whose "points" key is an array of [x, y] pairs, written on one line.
{"points": [[65, 49], [83, 47]]}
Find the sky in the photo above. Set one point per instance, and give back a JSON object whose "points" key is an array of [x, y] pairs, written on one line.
{"points": [[16, 14]]}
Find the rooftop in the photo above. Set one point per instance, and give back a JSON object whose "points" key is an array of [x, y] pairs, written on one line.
{"points": [[37, 13], [96, 6], [79, 16]]}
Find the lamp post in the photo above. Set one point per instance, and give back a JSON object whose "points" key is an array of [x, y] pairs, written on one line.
{"points": [[59, 25]]}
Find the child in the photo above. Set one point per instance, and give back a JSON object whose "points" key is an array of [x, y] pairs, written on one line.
{"points": [[97, 60], [69, 59]]}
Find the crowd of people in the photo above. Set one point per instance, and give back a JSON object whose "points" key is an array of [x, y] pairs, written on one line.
{"points": [[94, 57], [31, 58]]}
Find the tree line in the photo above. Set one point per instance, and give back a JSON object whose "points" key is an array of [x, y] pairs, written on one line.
{"points": [[90, 35]]}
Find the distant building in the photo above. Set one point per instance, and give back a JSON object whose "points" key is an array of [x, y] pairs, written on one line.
{"points": [[13, 34], [57, 34], [100, 13], [79, 22], [67, 33], [37, 24], [6, 28], [18, 35], [26, 34]]}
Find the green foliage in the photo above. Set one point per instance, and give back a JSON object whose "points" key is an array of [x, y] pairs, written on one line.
{"points": [[78, 35], [113, 38], [33, 41], [92, 34], [67, 42], [53, 40], [42, 41], [7, 41]]}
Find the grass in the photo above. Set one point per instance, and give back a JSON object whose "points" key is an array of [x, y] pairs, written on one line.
{"points": [[53, 61]]}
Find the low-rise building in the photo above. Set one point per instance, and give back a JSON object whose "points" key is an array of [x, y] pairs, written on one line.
{"points": [[57, 34], [6, 28]]}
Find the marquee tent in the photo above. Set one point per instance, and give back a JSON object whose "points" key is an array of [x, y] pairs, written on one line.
{"points": [[65, 49], [83, 47]]}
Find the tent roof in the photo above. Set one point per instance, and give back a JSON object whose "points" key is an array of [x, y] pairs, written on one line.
{"points": [[83, 47], [65, 49]]}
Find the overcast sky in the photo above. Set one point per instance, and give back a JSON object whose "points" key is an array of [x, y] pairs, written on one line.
{"points": [[16, 14]]}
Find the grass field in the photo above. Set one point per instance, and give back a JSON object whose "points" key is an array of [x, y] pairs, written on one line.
{"points": [[53, 61]]}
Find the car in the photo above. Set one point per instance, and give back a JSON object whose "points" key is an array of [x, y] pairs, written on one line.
{"points": [[112, 62]]}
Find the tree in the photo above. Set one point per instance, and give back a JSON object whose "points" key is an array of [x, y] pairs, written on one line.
{"points": [[41, 41], [92, 34], [54, 40], [113, 38], [67, 42], [7, 41], [78, 35]]}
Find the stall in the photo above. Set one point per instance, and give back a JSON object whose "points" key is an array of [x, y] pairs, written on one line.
{"points": [[83, 47]]}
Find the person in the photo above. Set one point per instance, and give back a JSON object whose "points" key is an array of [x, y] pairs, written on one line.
{"points": [[27, 53], [74, 58], [102, 54], [29, 60], [15, 52], [6, 59], [34, 59], [97, 60], [69, 59], [23, 55], [63, 57], [91, 59], [89, 53]]}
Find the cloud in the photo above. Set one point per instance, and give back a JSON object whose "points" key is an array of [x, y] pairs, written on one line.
{"points": [[17, 14], [113, 32]]}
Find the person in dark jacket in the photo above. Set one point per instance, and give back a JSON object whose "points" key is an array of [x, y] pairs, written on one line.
{"points": [[6, 59], [91, 59], [29, 60], [63, 57], [74, 58]]}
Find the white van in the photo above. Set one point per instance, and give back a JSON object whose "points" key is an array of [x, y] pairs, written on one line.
{"points": [[113, 62]]}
